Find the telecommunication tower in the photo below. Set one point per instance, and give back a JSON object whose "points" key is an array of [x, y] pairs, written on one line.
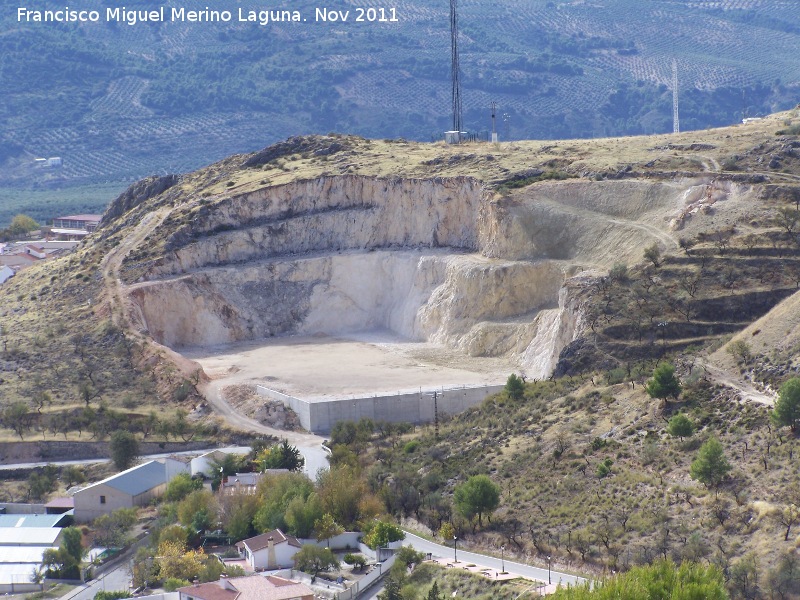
{"points": [[457, 124], [676, 122]]}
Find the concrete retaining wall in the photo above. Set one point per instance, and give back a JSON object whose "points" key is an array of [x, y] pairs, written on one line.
{"points": [[12, 508], [415, 407], [343, 541]]}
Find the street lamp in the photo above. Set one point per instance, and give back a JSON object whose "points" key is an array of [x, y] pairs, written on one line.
{"points": [[455, 550], [549, 579], [502, 560]]}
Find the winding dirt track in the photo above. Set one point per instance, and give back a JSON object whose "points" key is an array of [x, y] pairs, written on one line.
{"points": [[124, 314], [118, 303], [746, 390], [593, 215]]}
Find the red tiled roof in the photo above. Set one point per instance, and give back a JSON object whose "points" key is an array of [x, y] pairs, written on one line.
{"points": [[260, 542], [208, 591], [61, 503], [262, 588], [249, 588]]}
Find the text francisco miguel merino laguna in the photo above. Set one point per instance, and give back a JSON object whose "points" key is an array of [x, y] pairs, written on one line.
{"points": [[132, 17]]}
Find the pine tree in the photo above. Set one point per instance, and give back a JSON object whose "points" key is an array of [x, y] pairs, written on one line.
{"points": [[710, 467], [787, 406], [664, 383], [433, 593], [391, 590]]}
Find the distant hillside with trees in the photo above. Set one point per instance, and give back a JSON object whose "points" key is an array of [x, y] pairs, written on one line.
{"points": [[118, 102]]}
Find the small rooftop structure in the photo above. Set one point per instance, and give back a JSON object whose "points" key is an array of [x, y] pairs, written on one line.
{"points": [[58, 506], [241, 483], [276, 536]]}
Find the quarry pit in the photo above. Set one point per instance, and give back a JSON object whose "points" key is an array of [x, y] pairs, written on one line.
{"points": [[345, 287]]}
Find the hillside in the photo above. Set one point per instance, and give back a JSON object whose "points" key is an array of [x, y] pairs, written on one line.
{"points": [[589, 476], [106, 321], [118, 102], [590, 260]]}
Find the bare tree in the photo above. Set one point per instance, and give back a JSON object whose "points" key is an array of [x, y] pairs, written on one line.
{"points": [[787, 517]]}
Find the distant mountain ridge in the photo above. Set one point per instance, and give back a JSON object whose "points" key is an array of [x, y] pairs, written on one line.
{"points": [[118, 102]]}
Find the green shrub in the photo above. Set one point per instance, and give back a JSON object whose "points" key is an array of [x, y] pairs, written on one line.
{"points": [[112, 595], [173, 583], [357, 560], [411, 446], [604, 468]]}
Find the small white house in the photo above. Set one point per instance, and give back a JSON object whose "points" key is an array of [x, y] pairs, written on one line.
{"points": [[135, 487], [271, 550]]}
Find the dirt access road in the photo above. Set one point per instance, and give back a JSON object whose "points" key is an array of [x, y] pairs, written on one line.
{"points": [[745, 389], [124, 315]]}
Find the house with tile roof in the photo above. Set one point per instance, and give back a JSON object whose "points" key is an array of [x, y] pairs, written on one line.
{"points": [[248, 588], [136, 486], [271, 550]]}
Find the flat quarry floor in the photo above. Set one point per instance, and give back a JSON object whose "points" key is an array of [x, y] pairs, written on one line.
{"points": [[327, 368]]}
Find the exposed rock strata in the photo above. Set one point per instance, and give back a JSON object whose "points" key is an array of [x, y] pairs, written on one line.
{"points": [[438, 260]]}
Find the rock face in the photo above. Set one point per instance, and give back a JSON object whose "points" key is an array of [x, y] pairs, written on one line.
{"points": [[439, 260]]}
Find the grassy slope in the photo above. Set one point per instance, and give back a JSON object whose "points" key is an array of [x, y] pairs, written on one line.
{"points": [[556, 503]]}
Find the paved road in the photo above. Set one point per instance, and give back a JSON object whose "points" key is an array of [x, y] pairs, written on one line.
{"points": [[310, 445], [423, 545], [117, 579], [316, 458]]}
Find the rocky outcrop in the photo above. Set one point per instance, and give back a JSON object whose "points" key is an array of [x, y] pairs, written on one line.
{"points": [[138, 193]]}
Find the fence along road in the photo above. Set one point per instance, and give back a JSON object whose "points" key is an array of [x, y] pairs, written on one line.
{"points": [[423, 545]]}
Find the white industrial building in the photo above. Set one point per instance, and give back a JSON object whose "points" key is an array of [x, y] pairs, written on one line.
{"points": [[21, 551]]}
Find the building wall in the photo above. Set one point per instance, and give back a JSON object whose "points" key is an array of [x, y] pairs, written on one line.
{"points": [[174, 467], [16, 508], [343, 541], [284, 555], [204, 464], [415, 407], [145, 498], [88, 505]]}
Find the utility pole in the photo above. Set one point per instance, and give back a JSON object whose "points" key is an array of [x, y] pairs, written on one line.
{"points": [[494, 117]]}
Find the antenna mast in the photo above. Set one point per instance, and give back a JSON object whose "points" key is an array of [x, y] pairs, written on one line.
{"points": [[494, 129], [457, 126], [676, 122]]}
